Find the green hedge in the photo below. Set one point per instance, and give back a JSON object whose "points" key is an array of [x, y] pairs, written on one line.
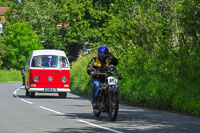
{"points": [[163, 82], [80, 80]]}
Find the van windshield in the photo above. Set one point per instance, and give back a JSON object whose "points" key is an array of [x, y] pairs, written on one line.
{"points": [[50, 61]]}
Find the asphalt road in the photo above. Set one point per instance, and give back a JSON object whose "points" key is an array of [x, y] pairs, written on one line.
{"points": [[47, 113]]}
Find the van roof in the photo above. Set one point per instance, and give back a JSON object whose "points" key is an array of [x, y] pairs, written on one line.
{"points": [[48, 52]]}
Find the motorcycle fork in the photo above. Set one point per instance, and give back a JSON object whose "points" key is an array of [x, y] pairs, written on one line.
{"points": [[111, 92], [107, 99]]}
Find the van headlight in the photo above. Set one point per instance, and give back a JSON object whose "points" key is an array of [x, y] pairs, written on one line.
{"points": [[36, 79], [64, 79]]}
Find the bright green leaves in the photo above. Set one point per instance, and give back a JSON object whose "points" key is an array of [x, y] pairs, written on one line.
{"points": [[2, 49], [20, 41]]}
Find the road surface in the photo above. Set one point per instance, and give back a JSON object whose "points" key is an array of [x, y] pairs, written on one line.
{"points": [[47, 113]]}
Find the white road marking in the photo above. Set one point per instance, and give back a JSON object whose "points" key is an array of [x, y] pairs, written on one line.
{"points": [[51, 110], [115, 131], [42, 107], [26, 101], [15, 94]]}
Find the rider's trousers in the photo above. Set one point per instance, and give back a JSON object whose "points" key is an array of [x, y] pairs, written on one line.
{"points": [[95, 90]]}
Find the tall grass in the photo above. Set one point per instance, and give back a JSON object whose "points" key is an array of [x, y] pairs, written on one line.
{"points": [[10, 76], [80, 80]]}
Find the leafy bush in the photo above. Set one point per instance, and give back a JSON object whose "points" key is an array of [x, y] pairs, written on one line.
{"points": [[156, 41], [162, 82], [80, 80], [20, 41]]}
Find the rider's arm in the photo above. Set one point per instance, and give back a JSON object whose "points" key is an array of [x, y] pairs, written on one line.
{"points": [[89, 69], [114, 61]]}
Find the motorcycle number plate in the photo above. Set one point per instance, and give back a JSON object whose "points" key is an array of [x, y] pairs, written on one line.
{"points": [[112, 81]]}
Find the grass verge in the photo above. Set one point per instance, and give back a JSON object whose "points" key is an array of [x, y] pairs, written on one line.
{"points": [[10, 76]]}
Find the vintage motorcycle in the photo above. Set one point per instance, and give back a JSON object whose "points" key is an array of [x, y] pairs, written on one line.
{"points": [[108, 96]]}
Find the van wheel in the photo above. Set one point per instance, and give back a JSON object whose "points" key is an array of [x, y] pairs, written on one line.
{"points": [[62, 94], [27, 93], [32, 94]]}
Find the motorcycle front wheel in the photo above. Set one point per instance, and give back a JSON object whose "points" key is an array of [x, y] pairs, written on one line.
{"points": [[113, 106]]}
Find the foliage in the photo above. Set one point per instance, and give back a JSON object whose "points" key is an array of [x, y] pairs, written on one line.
{"points": [[2, 49], [6, 3], [81, 21], [20, 41], [156, 41], [81, 85], [40, 15]]}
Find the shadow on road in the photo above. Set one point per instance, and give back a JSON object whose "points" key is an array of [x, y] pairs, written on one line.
{"points": [[79, 130], [45, 95], [38, 97], [132, 119], [133, 123]]}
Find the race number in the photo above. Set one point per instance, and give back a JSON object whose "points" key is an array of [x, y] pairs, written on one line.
{"points": [[112, 81]]}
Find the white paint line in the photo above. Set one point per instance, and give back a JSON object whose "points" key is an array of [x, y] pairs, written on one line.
{"points": [[115, 131], [51, 110], [26, 101], [22, 87], [15, 93]]}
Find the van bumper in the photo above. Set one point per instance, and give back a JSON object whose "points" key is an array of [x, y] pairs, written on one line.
{"points": [[49, 90]]}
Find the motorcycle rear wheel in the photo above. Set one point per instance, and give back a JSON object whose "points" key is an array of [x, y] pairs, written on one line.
{"points": [[113, 106]]}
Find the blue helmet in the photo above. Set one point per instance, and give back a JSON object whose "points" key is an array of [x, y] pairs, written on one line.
{"points": [[102, 52]]}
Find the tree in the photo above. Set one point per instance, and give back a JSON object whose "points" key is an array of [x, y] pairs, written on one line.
{"points": [[20, 41], [42, 16], [2, 49], [6, 3]]}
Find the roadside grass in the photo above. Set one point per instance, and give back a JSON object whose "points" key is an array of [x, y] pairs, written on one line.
{"points": [[80, 80], [10, 76]]}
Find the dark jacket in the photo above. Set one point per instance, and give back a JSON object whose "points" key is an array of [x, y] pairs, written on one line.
{"points": [[100, 66], [23, 72]]}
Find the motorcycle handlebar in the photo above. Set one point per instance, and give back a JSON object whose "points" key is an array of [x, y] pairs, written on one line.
{"points": [[118, 74], [107, 74]]}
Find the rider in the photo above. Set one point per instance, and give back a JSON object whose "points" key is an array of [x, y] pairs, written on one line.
{"points": [[23, 75], [100, 64]]}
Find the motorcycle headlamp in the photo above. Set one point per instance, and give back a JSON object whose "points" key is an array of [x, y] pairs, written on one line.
{"points": [[111, 68]]}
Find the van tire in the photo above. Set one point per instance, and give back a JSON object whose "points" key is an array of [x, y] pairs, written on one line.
{"points": [[32, 94], [62, 94], [27, 93]]}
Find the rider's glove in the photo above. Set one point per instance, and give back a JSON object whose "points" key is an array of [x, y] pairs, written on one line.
{"points": [[92, 73], [110, 55]]}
